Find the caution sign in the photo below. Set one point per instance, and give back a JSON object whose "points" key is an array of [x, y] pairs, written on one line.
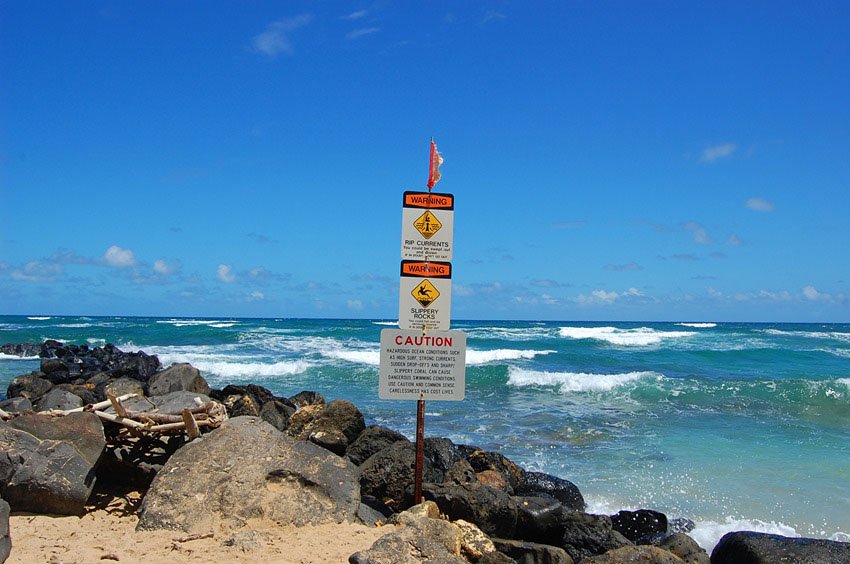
{"points": [[429, 366], [427, 226], [425, 292]]}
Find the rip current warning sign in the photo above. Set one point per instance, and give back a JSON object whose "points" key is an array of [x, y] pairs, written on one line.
{"points": [[427, 226], [425, 295]]}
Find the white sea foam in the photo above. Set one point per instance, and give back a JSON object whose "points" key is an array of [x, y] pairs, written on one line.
{"points": [[573, 381], [709, 533], [96, 342], [475, 357], [218, 323], [39, 318], [14, 357], [387, 323], [252, 369], [837, 335], [510, 333], [370, 357], [641, 336], [845, 381], [75, 325], [698, 325]]}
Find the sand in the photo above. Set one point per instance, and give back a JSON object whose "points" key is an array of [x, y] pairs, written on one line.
{"points": [[106, 533]]}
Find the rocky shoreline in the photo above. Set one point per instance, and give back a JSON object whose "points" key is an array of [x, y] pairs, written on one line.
{"points": [[302, 460]]}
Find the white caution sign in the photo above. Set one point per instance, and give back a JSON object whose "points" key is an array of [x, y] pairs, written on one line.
{"points": [[429, 366], [425, 295], [427, 226]]}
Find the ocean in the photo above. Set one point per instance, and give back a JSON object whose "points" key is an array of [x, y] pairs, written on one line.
{"points": [[736, 426]]}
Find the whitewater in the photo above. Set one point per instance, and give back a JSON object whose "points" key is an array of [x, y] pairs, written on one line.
{"points": [[732, 425]]}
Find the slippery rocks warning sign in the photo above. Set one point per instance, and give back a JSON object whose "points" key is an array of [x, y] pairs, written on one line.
{"points": [[425, 295], [417, 366]]}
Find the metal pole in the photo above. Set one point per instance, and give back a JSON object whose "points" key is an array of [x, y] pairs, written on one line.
{"points": [[420, 451]]}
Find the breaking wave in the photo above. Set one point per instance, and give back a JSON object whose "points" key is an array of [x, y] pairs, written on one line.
{"points": [[641, 336], [574, 381]]}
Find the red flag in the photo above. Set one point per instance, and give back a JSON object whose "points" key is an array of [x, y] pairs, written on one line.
{"points": [[434, 168]]}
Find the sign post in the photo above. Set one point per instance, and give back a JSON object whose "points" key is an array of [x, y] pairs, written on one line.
{"points": [[423, 359]]}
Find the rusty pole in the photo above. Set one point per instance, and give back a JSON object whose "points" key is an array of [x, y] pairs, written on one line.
{"points": [[420, 451]]}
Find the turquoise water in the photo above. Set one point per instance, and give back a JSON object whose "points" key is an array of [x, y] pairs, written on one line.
{"points": [[736, 426]]}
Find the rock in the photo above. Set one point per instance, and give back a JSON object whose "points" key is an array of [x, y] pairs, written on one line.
{"points": [[539, 520], [242, 405], [277, 413], [31, 386], [58, 398], [494, 480], [137, 404], [442, 455], [461, 472], [422, 538], [497, 558], [369, 516], [588, 535], [538, 483], [15, 405], [338, 416], [178, 377], [373, 439], [633, 555], [638, 526], [133, 462], [122, 386], [524, 552], [474, 543], [20, 349], [485, 460], [55, 370], [493, 511], [85, 393], [5, 537], [747, 547], [176, 402], [258, 395], [685, 548], [387, 475], [248, 469], [47, 465], [305, 398], [139, 365], [680, 525], [332, 439]]}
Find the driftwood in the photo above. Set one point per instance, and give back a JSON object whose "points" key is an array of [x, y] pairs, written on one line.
{"points": [[210, 415]]}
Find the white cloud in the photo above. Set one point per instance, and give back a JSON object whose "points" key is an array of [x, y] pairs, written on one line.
{"points": [[355, 305], [275, 39], [812, 294], [362, 32], [760, 205], [256, 296], [711, 154], [700, 234], [38, 271], [492, 16], [604, 297], [356, 15], [162, 267], [734, 240], [225, 273], [118, 257]]}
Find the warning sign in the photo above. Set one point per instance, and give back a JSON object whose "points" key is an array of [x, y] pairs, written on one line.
{"points": [[427, 226], [425, 293], [416, 366], [425, 290]]}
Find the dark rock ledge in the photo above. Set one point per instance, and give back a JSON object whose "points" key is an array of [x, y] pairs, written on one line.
{"points": [[301, 460]]}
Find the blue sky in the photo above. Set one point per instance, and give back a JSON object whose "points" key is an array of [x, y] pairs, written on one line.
{"points": [[610, 160]]}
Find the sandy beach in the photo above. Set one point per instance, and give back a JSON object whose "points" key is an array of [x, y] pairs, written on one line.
{"points": [[106, 533]]}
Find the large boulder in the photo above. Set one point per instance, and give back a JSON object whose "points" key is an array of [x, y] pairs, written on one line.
{"points": [[176, 402], [373, 439], [524, 552], [248, 469], [493, 511], [60, 399], [5, 537], [539, 483], [176, 378], [587, 535], [31, 386], [634, 554], [747, 547], [339, 417], [47, 464], [422, 537], [685, 548], [639, 526], [15, 405], [512, 473], [387, 476], [539, 519]]}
